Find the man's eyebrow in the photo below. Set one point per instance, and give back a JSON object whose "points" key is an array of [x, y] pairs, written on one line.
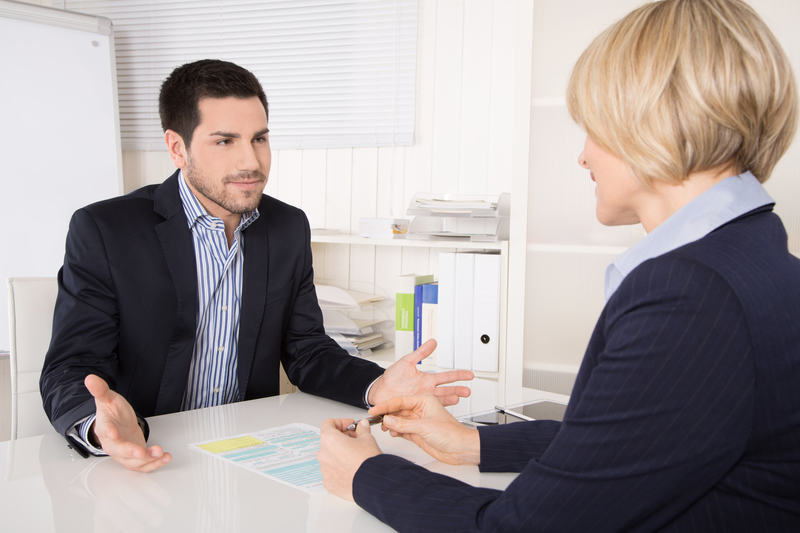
{"points": [[224, 134], [236, 135]]}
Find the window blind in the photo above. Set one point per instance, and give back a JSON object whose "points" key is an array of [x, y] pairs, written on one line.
{"points": [[337, 73]]}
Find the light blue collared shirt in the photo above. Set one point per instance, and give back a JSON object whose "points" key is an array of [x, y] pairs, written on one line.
{"points": [[725, 201]]}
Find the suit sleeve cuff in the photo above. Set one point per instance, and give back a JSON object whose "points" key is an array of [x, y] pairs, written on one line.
{"points": [[80, 433], [366, 394]]}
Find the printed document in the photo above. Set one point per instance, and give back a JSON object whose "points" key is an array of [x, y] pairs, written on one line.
{"points": [[287, 454]]}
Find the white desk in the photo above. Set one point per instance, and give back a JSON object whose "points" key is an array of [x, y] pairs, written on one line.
{"points": [[44, 486]]}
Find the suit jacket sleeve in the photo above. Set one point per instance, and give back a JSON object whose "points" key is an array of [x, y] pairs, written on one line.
{"points": [[313, 361], [661, 412], [85, 327]]}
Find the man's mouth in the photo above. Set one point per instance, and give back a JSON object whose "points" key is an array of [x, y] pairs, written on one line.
{"points": [[247, 180]]}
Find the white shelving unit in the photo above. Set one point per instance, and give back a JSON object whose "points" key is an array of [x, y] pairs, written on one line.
{"points": [[386, 357], [461, 244]]}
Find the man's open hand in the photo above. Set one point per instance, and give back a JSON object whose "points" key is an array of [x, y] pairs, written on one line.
{"points": [[117, 430], [403, 378]]}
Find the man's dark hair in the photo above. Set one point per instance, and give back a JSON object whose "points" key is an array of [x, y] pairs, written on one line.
{"points": [[182, 91]]}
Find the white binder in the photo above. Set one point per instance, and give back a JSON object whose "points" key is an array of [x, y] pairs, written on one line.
{"points": [[464, 316], [447, 310], [486, 313]]}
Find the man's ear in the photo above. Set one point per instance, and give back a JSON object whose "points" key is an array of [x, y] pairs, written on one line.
{"points": [[176, 148]]}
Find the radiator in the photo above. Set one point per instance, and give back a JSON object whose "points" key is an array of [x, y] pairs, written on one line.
{"points": [[551, 378]]}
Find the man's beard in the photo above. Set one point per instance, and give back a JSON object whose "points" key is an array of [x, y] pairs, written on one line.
{"points": [[220, 196]]}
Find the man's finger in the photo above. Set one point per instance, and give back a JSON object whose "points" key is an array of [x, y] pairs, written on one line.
{"points": [[453, 376], [145, 467], [450, 399], [97, 387], [462, 392], [155, 451], [420, 353]]}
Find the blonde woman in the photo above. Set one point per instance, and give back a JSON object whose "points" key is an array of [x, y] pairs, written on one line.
{"points": [[685, 415]]}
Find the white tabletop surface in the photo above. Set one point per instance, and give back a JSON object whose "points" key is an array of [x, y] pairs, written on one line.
{"points": [[45, 486]]}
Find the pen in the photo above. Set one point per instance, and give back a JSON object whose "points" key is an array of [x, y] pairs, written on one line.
{"points": [[372, 421]]}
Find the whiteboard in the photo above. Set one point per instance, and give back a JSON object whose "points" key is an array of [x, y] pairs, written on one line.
{"points": [[59, 140]]}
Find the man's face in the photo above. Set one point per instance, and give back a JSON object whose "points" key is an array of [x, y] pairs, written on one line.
{"points": [[227, 163]]}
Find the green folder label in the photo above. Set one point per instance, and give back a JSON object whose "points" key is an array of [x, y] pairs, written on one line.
{"points": [[404, 317]]}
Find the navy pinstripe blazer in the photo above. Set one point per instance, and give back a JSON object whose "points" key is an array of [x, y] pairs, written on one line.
{"points": [[685, 415]]}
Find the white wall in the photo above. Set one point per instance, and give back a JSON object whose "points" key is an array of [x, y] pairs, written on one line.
{"points": [[466, 61], [475, 65], [567, 249]]}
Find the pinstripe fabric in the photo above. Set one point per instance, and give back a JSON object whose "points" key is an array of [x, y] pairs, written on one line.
{"points": [[213, 371], [685, 415]]}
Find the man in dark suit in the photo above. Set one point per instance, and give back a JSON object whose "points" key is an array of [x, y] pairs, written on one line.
{"points": [[192, 293], [685, 414]]}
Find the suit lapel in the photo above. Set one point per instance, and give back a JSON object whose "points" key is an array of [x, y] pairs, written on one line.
{"points": [[178, 248], [254, 295]]}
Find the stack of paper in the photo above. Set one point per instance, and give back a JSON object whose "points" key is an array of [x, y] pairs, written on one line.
{"points": [[354, 328], [454, 206], [330, 297], [383, 228]]}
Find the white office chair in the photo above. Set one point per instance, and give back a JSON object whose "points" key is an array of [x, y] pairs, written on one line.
{"points": [[31, 302]]}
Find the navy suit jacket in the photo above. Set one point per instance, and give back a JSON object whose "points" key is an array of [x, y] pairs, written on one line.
{"points": [[127, 304], [685, 415]]}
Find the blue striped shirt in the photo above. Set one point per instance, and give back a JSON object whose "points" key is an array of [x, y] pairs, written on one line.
{"points": [[212, 373]]}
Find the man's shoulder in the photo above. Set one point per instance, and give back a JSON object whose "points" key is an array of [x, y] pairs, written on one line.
{"points": [[273, 204], [138, 197], [273, 210]]}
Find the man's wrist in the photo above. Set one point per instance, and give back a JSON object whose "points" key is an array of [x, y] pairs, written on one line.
{"points": [[80, 433], [91, 437], [367, 400]]}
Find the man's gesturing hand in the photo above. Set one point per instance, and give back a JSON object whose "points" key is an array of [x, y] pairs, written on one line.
{"points": [[423, 421], [117, 430], [403, 378]]}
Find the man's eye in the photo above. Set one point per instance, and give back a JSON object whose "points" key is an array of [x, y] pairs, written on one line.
{"points": [[261, 139], [224, 142]]}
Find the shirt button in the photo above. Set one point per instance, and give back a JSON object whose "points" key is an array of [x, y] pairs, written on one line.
{"points": [[216, 390], [213, 225], [221, 349], [224, 307]]}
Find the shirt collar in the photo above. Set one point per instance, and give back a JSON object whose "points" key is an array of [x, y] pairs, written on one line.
{"points": [[725, 201], [194, 209]]}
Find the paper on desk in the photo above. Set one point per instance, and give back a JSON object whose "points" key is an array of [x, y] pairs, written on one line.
{"points": [[287, 454]]}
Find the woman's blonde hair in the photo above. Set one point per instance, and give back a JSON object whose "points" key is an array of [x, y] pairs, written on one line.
{"points": [[685, 86]]}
